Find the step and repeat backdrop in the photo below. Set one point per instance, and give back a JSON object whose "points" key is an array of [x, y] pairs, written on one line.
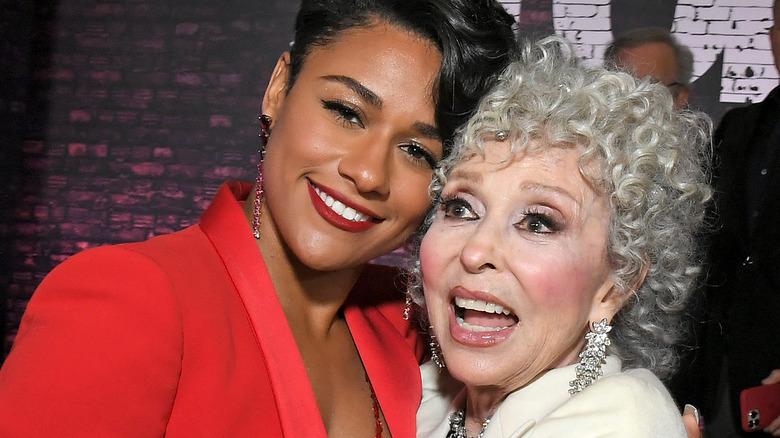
{"points": [[121, 119]]}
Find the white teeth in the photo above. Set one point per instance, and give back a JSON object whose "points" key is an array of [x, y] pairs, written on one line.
{"points": [[342, 210], [477, 328], [482, 306], [338, 207]]}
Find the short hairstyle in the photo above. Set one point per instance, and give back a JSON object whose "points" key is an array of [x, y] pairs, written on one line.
{"points": [[650, 161], [475, 37], [646, 35]]}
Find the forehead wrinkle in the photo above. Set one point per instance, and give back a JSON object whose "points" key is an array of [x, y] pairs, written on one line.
{"points": [[361, 90], [541, 188]]}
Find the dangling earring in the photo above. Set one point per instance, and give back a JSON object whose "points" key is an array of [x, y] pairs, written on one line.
{"points": [[408, 306], [591, 358], [436, 356], [409, 302], [265, 132]]}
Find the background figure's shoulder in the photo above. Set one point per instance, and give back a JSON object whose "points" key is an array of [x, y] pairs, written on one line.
{"points": [[737, 122], [630, 403]]}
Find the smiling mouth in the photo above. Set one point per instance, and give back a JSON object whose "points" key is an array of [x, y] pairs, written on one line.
{"points": [[340, 209], [481, 316]]}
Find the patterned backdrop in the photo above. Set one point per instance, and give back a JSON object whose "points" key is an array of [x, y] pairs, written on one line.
{"points": [[121, 119]]}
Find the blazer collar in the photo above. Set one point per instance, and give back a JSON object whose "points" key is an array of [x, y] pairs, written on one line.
{"points": [[228, 230]]}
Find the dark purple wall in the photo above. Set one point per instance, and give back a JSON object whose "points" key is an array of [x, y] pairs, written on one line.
{"points": [[120, 120]]}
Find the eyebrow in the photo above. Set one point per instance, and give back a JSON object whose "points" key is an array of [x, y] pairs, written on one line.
{"points": [[427, 130], [536, 187], [366, 94], [466, 175]]}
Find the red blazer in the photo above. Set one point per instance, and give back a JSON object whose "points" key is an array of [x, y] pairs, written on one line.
{"points": [[183, 336]]}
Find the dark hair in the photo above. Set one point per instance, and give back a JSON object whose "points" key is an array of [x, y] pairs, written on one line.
{"points": [[639, 37], [475, 38]]}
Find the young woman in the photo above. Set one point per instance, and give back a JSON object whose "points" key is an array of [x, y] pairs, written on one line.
{"points": [[257, 322]]}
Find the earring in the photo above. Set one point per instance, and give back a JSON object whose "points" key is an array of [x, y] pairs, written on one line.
{"points": [[436, 356], [408, 306], [265, 132], [591, 358]]}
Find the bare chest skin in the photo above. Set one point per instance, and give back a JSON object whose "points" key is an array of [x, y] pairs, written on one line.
{"points": [[339, 382]]}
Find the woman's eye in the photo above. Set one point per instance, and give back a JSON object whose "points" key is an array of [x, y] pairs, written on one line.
{"points": [[457, 208], [419, 154], [539, 223], [344, 113]]}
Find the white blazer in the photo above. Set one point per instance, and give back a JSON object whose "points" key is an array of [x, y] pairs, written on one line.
{"points": [[630, 403]]}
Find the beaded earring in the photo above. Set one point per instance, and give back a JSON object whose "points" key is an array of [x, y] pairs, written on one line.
{"points": [[436, 356], [265, 132]]}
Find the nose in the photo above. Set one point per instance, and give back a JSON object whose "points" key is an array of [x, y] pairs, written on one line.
{"points": [[482, 250], [368, 165]]}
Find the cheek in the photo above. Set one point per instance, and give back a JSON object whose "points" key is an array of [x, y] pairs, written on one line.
{"points": [[560, 284], [433, 256], [411, 196], [428, 259]]}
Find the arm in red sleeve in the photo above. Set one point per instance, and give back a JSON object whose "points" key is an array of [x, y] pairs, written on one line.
{"points": [[98, 352]]}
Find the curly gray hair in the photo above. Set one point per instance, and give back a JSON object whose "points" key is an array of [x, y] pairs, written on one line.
{"points": [[652, 164]]}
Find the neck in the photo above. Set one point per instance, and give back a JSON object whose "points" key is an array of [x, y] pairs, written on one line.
{"points": [[481, 404], [311, 299]]}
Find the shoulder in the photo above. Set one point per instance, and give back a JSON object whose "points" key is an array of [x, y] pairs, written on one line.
{"points": [[100, 285], [630, 403], [148, 262], [737, 120], [637, 387], [440, 393]]}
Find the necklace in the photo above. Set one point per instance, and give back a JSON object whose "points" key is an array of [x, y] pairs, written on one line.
{"points": [[375, 407], [458, 426]]}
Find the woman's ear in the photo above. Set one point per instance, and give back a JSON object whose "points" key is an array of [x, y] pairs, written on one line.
{"points": [[276, 91], [610, 299]]}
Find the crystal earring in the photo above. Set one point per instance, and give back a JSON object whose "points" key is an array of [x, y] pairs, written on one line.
{"points": [[436, 356], [265, 132], [591, 358]]}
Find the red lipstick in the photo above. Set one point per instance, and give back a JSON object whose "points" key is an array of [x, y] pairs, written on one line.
{"points": [[336, 219]]}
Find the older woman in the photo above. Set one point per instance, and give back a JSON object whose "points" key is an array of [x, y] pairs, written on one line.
{"points": [[561, 254]]}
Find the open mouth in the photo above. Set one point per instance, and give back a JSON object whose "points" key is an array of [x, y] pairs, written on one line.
{"points": [[481, 316]]}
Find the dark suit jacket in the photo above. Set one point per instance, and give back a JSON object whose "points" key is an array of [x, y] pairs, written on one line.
{"points": [[183, 336], [743, 296]]}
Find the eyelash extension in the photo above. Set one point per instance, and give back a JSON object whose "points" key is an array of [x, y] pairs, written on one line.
{"points": [[344, 112], [426, 155], [449, 202], [544, 219], [445, 198]]}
